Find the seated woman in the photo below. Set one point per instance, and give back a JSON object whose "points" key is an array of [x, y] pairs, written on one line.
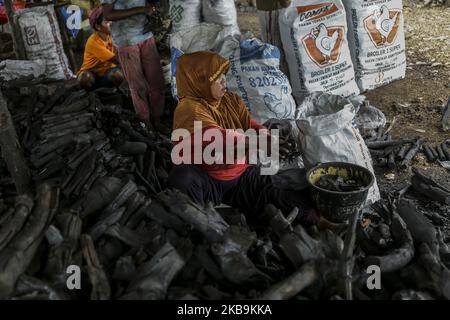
{"points": [[201, 85], [99, 67]]}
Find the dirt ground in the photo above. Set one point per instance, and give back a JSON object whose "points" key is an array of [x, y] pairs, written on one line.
{"points": [[417, 101]]}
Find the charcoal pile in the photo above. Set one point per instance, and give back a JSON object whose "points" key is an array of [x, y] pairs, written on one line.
{"points": [[98, 201], [392, 153], [438, 152], [71, 138]]}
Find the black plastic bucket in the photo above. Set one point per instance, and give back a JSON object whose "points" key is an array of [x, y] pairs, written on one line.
{"points": [[334, 205]]}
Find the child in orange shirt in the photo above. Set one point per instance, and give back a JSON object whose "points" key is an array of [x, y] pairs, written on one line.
{"points": [[99, 67]]}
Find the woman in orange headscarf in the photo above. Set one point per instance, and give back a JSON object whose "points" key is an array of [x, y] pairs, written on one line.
{"points": [[201, 86]]}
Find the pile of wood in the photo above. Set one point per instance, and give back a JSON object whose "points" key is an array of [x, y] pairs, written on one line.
{"points": [[97, 201]]}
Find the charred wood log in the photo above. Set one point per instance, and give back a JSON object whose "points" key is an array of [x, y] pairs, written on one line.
{"points": [[60, 255], [15, 258], [422, 231], [154, 277], [294, 284], [13, 223], [430, 188], [206, 220], [384, 144], [231, 255], [27, 287], [411, 154], [11, 150], [402, 254], [100, 286], [429, 153]]}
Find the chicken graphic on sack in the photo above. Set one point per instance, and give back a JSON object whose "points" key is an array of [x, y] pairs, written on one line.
{"points": [[324, 43], [275, 105], [383, 22]]}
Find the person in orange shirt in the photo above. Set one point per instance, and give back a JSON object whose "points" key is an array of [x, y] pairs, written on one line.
{"points": [[100, 65]]}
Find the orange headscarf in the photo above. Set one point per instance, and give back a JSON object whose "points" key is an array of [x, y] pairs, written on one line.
{"points": [[195, 74]]}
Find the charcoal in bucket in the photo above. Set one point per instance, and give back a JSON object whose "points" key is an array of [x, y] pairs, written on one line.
{"points": [[339, 188]]}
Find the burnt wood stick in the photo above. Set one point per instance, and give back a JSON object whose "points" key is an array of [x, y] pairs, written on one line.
{"points": [[381, 152], [99, 171], [81, 153], [124, 194], [428, 153], [132, 238], [90, 164], [91, 150], [137, 217], [72, 108], [140, 161], [137, 136], [46, 131], [17, 256], [153, 278], [444, 249], [399, 257], [38, 162], [11, 150], [347, 259], [52, 168], [295, 283], [133, 204], [132, 148], [49, 146], [411, 154], [30, 285], [384, 144], [402, 152], [53, 99], [60, 257], [440, 152], [446, 151], [102, 193], [145, 182], [19, 47], [429, 181], [101, 289], [298, 246], [231, 253], [74, 96], [82, 174], [53, 120], [437, 274], [107, 219], [14, 223], [68, 179], [381, 162], [74, 130], [206, 220], [430, 191], [433, 150], [422, 230], [391, 161]]}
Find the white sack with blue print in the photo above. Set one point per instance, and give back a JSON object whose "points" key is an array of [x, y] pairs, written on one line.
{"points": [[256, 77]]}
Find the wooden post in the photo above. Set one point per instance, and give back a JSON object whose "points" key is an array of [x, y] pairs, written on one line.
{"points": [[15, 30], [11, 151]]}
